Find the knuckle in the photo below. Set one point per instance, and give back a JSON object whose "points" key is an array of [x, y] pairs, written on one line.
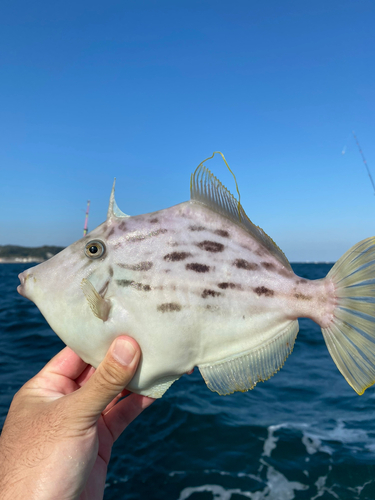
{"points": [[113, 375]]}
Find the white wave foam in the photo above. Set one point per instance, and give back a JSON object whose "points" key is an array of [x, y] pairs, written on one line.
{"points": [[278, 488], [346, 435], [221, 473], [358, 489], [271, 440], [320, 484], [312, 444], [310, 438], [218, 492]]}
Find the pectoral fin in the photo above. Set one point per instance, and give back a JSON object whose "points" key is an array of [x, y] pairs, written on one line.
{"points": [[99, 306]]}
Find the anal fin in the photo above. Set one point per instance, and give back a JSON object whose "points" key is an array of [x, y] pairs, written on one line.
{"points": [[244, 371]]}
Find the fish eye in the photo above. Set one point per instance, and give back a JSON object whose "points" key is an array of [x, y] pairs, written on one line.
{"points": [[94, 249]]}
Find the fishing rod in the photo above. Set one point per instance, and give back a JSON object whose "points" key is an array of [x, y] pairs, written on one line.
{"points": [[85, 228], [365, 162]]}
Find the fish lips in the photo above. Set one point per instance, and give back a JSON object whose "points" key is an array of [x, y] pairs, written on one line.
{"points": [[21, 289]]}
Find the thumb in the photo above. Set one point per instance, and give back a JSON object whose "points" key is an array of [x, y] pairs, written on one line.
{"points": [[111, 377]]}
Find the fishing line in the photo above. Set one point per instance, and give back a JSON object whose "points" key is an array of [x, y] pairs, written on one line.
{"points": [[365, 162]]}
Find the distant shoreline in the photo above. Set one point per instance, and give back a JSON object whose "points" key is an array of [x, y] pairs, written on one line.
{"points": [[22, 260], [14, 254]]}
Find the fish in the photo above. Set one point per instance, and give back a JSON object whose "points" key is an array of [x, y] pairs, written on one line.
{"points": [[198, 284]]}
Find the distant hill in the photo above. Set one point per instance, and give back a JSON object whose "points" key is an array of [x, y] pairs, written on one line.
{"points": [[14, 253]]}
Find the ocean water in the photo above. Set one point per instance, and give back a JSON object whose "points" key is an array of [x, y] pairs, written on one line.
{"points": [[304, 434]]}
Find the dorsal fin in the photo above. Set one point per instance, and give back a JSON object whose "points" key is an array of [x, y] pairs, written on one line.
{"points": [[113, 209], [207, 189]]}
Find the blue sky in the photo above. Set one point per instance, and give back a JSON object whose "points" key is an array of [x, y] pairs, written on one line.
{"points": [[145, 90]]}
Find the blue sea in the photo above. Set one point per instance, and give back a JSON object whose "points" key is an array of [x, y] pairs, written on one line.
{"points": [[304, 434]]}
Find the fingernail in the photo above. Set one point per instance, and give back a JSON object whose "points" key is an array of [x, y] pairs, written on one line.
{"points": [[123, 352]]}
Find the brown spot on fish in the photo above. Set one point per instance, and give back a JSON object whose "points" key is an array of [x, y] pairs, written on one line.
{"points": [[140, 266], [198, 268], [268, 265], [197, 228], [176, 256], [124, 282], [122, 226], [134, 284], [222, 233], [243, 317], [249, 249], [154, 220], [232, 286], [140, 237], [110, 271], [169, 307], [209, 293], [244, 264], [262, 290], [302, 280], [211, 246], [301, 296], [112, 230], [212, 308], [144, 266]]}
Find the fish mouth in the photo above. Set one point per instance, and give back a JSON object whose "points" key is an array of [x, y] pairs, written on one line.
{"points": [[21, 288]]}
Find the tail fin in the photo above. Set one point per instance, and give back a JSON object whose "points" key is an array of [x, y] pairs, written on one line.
{"points": [[350, 337]]}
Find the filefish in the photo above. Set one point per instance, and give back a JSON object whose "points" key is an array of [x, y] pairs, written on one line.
{"points": [[198, 284]]}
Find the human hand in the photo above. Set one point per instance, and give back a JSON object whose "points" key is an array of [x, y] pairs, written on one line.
{"points": [[57, 439]]}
